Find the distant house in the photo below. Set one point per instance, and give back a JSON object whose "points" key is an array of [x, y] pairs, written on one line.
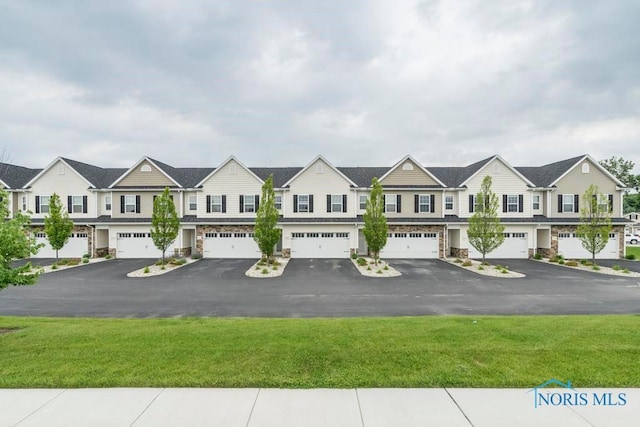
{"points": [[635, 217]]}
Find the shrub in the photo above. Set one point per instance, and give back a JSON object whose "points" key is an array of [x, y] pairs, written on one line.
{"points": [[498, 267], [458, 261], [560, 261], [108, 256], [274, 268], [504, 271], [537, 256], [159, 263], [467, 263], [257, 268], [617, 268], [85, 260], [361, 262], [571, 263], [354, 255], [625, 271], [386, 267], [368, 268], [583, 261], [179, 261], [196, 255], [485, 263], [480, 268], [146, 270], [54, 266], [595, 267], [276, 263], [86, 256], [631, 257], [553, 260], [265, 271], [379, 271]]}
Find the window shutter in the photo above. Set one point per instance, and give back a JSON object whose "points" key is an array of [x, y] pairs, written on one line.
{"points": [[416, 203], [208, 204], [310, 202], [328, 202], [224, 203], [520, 203], [241, 204], [37, 204], [154, 199], [504, 203], [295, 203], [576, 201], [344, 203], [257, 199], [432, 205], [610, 202], [398, 203], [137, 204], [122, 204], [69, 204], [84, 204], [471, 203], [559, 203]]}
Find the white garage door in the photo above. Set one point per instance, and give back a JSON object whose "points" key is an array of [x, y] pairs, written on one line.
{"points": [[411, 245], [514, 246], [230, 245], [75, 247], [319, 245], [139, 245], [570, 246]]}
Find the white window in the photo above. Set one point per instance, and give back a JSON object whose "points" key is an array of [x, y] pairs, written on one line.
{"points": [[336, 203], [145, 168], [424, 203], [535, 202], [130, 204], [44, 204], [585, 168], [512, 203], [448, 203], [249, 203], [278, 201], [363, 201], [603, 202], [567, 203], [216, 203], [24, 203], [193, 203], [390, 202], [60, 169], [319, 168], [76, 204], [303, 203], [407, 167], [233, 169], [107, 203]]}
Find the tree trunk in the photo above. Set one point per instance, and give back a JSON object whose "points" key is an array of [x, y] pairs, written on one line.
{"points": [[56, 256]]}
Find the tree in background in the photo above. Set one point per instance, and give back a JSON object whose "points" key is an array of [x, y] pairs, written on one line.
{"points": [[485, 232], [15, 243], [57, 224], [621, 169], [375, 223], [266, 234], [165, 224], [595, 221]]}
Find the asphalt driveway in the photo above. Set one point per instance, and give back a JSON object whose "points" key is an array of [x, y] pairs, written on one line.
{"points": [[318, 288]]}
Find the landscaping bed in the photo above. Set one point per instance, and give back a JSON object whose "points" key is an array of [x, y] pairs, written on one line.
{"points": [[367, 267], [486, 269], [66, 263], [158, 268], [262, 269], [586, 265]]}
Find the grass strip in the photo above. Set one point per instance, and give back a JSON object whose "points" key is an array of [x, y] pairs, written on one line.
{"points": [[635, 250], [591, 351]]}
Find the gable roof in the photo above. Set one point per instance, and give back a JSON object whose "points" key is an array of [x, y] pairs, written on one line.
{"points": [[215, 170], [85, 171], [319, 157], [548, 175], [479, 165], [280, 175], [403, 160], [13, 176], [362, 176], [165, 169]]}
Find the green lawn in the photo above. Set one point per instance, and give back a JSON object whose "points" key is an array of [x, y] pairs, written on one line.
{"points": [[633, 250], [591, 351]]}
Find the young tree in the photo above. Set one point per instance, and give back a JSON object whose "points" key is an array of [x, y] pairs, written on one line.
{"points": [[485, 231], [375, 223], [165, 224], [266, 234], [15, 243], [57, 224], [595, 221]]}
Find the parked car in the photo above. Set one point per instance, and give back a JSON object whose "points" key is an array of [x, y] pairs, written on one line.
{"points": [[631, 239]]}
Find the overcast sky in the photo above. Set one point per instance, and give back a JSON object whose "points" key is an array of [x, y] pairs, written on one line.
{"points": [[361, 82]]}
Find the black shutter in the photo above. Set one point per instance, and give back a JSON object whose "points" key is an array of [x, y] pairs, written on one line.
{"points": [[310, 202], [208, 204], [504, 203], [224, 203], [328, 202], [69, 204], [122, 204], [398, 203], [610, 202], [137, 204], [37, 204], [154, 199], [84, 204], [241, 204], [416, 203], [576, 203], [344, 203], [433, 203], [257, 199], [470, 203], [520, 203], [295, 203], [559, 203]]}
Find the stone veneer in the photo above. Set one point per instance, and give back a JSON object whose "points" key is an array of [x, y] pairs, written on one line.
{"points": [[202, 229], [422, 229], [460, 253], [556, 229]]}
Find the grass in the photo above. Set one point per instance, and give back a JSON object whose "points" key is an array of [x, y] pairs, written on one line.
{"points": [[514, 351], [635, 250]]}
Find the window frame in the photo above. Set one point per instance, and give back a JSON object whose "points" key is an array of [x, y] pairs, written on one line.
{"points": [[366, 198], [24, 203], [565, 197], [128, 203], [337, 204], [602, 206], [75, 207], [249, 207], [108, 203], [424, 204], [216, 206], [303, 203], [535, 200], [43, 205], [193, 203], [513, 203], [277, 201], [393, 197], [448, 205]]}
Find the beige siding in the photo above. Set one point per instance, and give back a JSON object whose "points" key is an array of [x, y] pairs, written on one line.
{"points": [[407, 204], [455, 210], [137, 178], [231, 180], [504, 181], [310, 181], [576, 182], [146, 203], [416, 176]]}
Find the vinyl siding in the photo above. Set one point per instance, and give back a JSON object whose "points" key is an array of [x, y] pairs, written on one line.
{"points": [[407, 204], [137, 178], [408, 177]]}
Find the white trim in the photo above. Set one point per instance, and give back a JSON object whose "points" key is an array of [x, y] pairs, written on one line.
{"points": [[404, 159], [205, 179], [319, 157], [50, 165], [504, 162], [132, 168], [596, 164]]}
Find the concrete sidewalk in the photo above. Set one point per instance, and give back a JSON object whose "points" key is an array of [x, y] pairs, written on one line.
{"points": [[314, 407]]}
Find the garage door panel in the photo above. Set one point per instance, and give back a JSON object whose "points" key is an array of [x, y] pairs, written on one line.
{"points": [[139, 245], [230, 245], [411, 245], [320, 245], [74, 248], [515, 245], [570, 246]]}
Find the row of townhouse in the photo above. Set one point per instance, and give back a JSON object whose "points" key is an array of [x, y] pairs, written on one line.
{"points": [[321, 206]]}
